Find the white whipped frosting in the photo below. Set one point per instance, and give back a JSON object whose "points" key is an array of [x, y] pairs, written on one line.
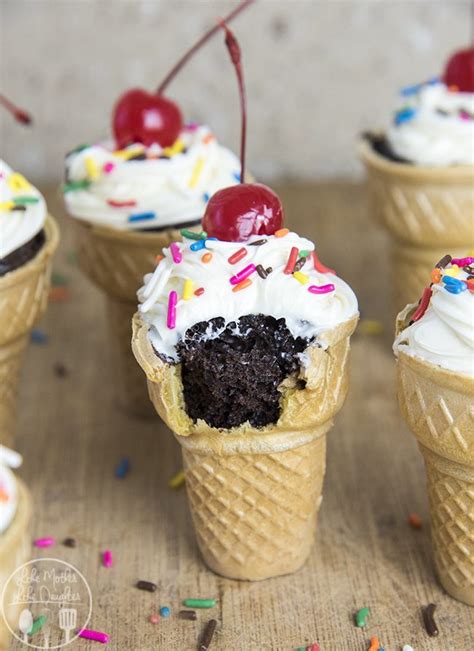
{"points": [[436, 134], [8, 486], [17, 227], [170, 191], [279, 295], [445, 333]]}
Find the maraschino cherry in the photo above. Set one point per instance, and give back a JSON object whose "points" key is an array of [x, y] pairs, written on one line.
{"points": [[234, 214], [459, 71], [19, 114], [148, 118]]}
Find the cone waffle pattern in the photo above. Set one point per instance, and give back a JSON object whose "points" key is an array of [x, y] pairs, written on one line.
{"points": [[23, 300], [15, 548], [439, 408], [254, 494], [116, 262]]}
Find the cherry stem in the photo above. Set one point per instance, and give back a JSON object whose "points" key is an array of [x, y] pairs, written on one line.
{"points": [[19, 114], [185, 58], [236, 58]]}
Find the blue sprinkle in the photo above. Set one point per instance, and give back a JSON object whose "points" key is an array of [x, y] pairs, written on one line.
{"points": [[455, 287], [433, 81], [39, 337], [123, 468], [405, 115], [141, 216], [198, 245], [165, 611], [236, 176], [206, 196], [450, 279], [410, 90]]}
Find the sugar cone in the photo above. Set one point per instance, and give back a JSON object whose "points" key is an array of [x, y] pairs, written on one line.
{"points": [[15, 548], [116, 262], [427, 212], [254, 494], [23, 300], [438, 406]]}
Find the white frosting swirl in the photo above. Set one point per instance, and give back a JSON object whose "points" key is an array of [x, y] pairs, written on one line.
{"points": [[8, 487], [168, 190], [17, 227], [279, 295], [444, 335], [440, 131]]}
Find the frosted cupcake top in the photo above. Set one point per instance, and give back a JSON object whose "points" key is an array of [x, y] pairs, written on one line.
{"points": [[8, 487], [434, 126], [442, 327], [278, 275], [148, 187], [22, 210]]}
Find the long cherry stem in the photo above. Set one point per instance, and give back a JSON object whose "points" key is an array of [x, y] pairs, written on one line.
{"points": [[185, 58], [236, 58], [19, 114]]}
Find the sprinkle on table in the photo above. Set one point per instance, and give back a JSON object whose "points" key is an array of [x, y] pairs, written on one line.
{"points": [[313, 647], [123, 468], [370, 327], [187, 289], [374, 643], [69, 542], [141, 217], [415, 521], [171, 315], [154, 618], [190, 615], [207, 635], [361, 617], [39, 337], [165, 611], [107, 558], [237, 256], [429, 620], [148, 586], [59, 294], [95, 636], [178, 480], [43, 543], [290, 264], [199, 603]]}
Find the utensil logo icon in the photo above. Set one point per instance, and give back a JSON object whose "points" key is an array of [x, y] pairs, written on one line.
{"points": [[45, 603]]}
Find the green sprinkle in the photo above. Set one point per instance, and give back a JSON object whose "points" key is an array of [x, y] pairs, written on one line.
{"points": [[304, 254], [37, 625], [22, 201], [59, 280], [78, 149], [71, 257], [76, 185], [361, 617], [199, 603], [191, 235]]}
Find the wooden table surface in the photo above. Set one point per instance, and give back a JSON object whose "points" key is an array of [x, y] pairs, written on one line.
{"points": [[72, 433]]}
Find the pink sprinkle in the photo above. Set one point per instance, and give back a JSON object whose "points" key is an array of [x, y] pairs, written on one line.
{"points": [[176, 253], [313, 647], [242, 275], [96, 636], [321, 289], [44, 542], [464, 115], [192, 126], [154, 619], [108, 167], [462, 262], [107, 560], [172, 300]]}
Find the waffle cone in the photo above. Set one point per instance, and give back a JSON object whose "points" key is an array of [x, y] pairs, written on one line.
{"points": [[427, 213], [23, 299], [438, 406], [116, 262], [254, 494], [15, 546]]}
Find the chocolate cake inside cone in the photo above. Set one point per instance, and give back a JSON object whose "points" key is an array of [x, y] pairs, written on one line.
{"points": [[23, 254], [231, 373]]}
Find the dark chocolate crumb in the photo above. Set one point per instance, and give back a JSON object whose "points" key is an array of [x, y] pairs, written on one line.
{"points": [[60, 370], [69, 542]]}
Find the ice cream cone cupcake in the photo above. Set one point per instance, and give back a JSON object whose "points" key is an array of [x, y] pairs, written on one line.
{"points": [[15, 514], [28, 239], [421, 175], [435, 350], [244, 338], [133, 195]]}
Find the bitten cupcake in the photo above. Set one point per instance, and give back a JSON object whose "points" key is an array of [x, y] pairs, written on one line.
{"points": [[132, 195], [435, 351], [15, 514], [421, 174], [244, 337], [28, 239]]}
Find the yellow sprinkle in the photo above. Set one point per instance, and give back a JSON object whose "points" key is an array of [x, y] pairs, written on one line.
{"points": [[6, 205], [452, 271], [196, 173], [370, 327], [470, 254], [17, 182], [176, 148], [177, 481], [301, 277], [187, 289], [92, 168], [128, 153]]}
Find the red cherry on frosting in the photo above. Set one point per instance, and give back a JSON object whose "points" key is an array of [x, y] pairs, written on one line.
{"points": [[234, 214], [143, 117], [459, 71]]}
